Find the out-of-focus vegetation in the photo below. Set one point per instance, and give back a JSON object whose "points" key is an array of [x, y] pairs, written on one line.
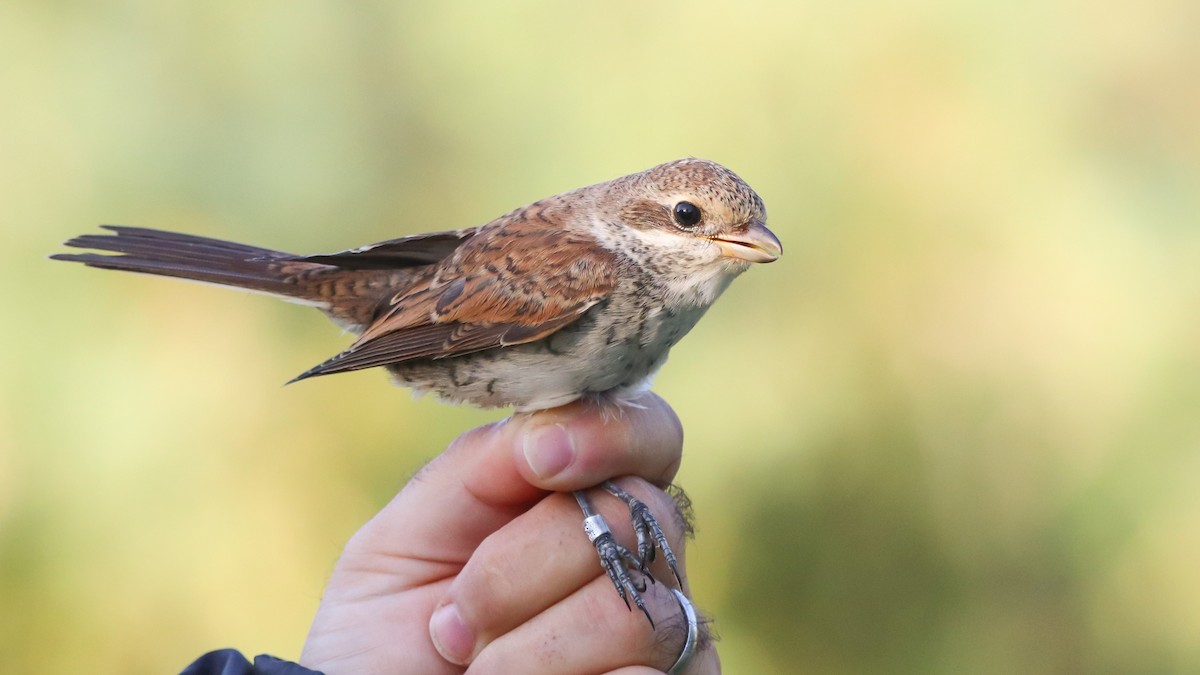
{"points": [[956, 429]]}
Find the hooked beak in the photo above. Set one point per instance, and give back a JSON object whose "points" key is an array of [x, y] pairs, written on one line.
{"points": [[756, 244]]}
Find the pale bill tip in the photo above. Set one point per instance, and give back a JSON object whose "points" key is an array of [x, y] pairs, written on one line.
{"points": [[757, 244]]}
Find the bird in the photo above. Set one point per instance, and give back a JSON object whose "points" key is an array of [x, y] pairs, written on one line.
{"points": [[579, 295]]}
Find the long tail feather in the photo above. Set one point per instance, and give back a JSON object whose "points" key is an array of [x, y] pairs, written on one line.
{"points": [[188, 257]]}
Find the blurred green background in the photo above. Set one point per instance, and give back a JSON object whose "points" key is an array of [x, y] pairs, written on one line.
{"points": [[955, 429]]}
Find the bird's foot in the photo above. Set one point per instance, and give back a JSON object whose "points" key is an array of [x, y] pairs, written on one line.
{"points": [[649, 535], [616, 561]]}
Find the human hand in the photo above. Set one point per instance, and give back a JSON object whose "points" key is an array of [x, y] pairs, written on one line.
{"points": [[474, 550]]}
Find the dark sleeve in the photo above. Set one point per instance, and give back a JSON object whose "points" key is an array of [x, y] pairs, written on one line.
{"points": [[231, 662]]}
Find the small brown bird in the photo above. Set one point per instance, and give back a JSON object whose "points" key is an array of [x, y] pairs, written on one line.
{"points": [[576, 295]]}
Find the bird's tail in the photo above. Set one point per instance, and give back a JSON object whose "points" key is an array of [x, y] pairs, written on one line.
{"points": [[203, 259]]}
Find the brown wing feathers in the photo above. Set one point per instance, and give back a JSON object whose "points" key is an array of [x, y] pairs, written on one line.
{"points": [[500, 288]]}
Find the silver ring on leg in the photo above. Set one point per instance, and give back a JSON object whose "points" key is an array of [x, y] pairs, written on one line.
{"points": [[693, 633]]}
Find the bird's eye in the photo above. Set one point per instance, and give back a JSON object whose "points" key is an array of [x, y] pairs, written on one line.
{"points": [[687, 214]]}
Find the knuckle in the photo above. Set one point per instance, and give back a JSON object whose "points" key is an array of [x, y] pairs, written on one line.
{"points": [[661, 647], [662, 420], [476, 591], [471, 437]]}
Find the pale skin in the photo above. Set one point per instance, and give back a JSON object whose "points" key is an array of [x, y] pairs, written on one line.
{"points": [[474, 568]]}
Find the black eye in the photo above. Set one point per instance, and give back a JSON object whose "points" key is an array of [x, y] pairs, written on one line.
{"points": [[687, 214]]}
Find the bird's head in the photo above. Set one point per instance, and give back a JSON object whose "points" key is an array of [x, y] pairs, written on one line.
{"points": [[700, 213]]}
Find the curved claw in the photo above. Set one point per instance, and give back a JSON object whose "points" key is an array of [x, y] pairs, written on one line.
{"points": [[613, 558], [649, 534], [651, 537]]}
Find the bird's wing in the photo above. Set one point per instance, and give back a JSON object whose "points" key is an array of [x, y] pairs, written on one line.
{"points": [[511, 283], [418, 249]]}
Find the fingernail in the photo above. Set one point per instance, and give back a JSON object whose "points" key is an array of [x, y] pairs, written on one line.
{"points": [[451, 636], [548, 450]]}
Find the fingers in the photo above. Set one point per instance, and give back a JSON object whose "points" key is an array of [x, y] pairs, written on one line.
{"points": [[541, 560], [569, 638], [485, 478], [582, 633], [582, 444]]}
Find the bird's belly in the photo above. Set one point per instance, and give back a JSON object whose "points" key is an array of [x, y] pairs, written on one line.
{"points": [[600, 354]]}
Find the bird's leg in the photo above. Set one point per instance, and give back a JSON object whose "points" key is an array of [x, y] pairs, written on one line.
{"points": [[648, 531], [613, 556]]}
